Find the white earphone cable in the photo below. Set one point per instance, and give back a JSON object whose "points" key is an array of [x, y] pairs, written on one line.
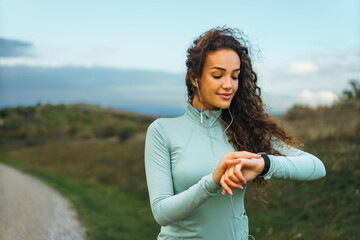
{"points": [[201, 115], [247, 235]]}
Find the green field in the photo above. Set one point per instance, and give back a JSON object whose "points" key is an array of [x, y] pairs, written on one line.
{"points": [[86, 154]]}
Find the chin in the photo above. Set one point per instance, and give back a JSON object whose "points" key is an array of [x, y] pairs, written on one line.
{"points": [[223, 105]]}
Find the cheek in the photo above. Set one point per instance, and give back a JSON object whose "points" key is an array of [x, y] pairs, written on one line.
{"points": [[236, 86], [210, 88], [204, 93]]}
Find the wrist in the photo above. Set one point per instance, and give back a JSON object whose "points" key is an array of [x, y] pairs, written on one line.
{"points": [[215, 179]]}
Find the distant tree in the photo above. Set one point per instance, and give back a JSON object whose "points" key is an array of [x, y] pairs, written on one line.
{"points": [[354, 92]]}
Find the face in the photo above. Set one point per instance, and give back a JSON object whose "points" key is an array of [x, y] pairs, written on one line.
{"points": [[219, 81]]}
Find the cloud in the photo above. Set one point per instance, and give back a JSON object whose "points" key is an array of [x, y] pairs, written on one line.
{"points": [[14, 48], [105, 51], [25, 62], [303, 68], [279, 103], [333, 73], [314, 99], [338, 62]]}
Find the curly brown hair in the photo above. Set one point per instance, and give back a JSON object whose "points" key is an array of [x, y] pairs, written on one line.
{"points": [[252, 128]]}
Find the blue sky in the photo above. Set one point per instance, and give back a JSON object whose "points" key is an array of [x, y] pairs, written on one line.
{"points": [[309, 49]]}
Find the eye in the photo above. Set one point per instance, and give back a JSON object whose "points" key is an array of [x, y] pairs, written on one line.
{"points": [[235, 78], [217, 77]]}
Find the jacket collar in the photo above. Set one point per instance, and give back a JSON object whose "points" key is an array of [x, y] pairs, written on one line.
{"points": [[210, 117]]}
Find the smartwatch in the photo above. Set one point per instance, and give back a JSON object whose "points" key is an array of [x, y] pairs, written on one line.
{"points": [[267, 163]]}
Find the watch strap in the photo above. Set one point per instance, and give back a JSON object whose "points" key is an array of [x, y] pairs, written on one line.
{"points": [[267, 163]]}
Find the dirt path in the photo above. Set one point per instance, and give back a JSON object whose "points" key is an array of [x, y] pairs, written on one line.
{"points": [[31, 210]]}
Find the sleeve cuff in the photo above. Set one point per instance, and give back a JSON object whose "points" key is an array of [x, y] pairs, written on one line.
{"points": [[210, 186], [273, 164]]}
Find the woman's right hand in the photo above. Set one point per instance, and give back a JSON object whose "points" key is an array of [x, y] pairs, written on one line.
{"points": [[229, 160], [247, 169]]}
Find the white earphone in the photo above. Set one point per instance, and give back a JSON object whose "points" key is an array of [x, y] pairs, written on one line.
{"points": [[201, 115]]}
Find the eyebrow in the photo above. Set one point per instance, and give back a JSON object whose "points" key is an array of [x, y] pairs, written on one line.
{"points": [[222, 69]]}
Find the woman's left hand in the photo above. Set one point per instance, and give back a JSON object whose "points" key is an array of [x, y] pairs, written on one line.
{"points": [[247, 168]]}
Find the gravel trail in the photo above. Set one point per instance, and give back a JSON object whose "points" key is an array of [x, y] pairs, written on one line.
{"points": [[31, 210]]}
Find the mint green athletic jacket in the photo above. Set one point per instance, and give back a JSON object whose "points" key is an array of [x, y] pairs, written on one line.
{"points": [[180, 155]]}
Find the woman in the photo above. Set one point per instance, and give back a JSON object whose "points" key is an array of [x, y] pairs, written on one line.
{"points": [[216, 144]]}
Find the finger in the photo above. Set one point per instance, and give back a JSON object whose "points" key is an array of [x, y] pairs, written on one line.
{"points": [[231, 174], [238, 173], [228, 163], [244, 154], [224, 164], [231, 183], [225, 187]]}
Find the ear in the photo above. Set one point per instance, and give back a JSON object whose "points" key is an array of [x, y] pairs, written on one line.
{"points": [[193, 81]]}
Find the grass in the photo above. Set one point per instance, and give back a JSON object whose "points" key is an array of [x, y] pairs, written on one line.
{"points": [[325, 209], [95, 160]]}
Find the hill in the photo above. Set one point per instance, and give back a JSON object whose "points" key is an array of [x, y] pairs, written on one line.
{"points": [[38, 124], [339, 121]]}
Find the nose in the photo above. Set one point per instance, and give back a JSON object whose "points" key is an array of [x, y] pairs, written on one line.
{"points": [[227, 83]]}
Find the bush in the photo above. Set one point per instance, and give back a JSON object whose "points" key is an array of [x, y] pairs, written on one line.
{"points": [[126, 133]]}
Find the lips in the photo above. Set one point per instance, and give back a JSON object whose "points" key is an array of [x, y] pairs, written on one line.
{"points": [[225, 95]]}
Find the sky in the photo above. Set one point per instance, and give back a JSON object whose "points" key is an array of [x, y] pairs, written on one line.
{"points": [[303, 51]]}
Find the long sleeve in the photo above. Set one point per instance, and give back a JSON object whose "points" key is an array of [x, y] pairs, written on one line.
{"points": [[295, 164], [166, 206]]}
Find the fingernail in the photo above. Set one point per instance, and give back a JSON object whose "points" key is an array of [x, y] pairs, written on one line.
{"points": [[230, 192]]}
